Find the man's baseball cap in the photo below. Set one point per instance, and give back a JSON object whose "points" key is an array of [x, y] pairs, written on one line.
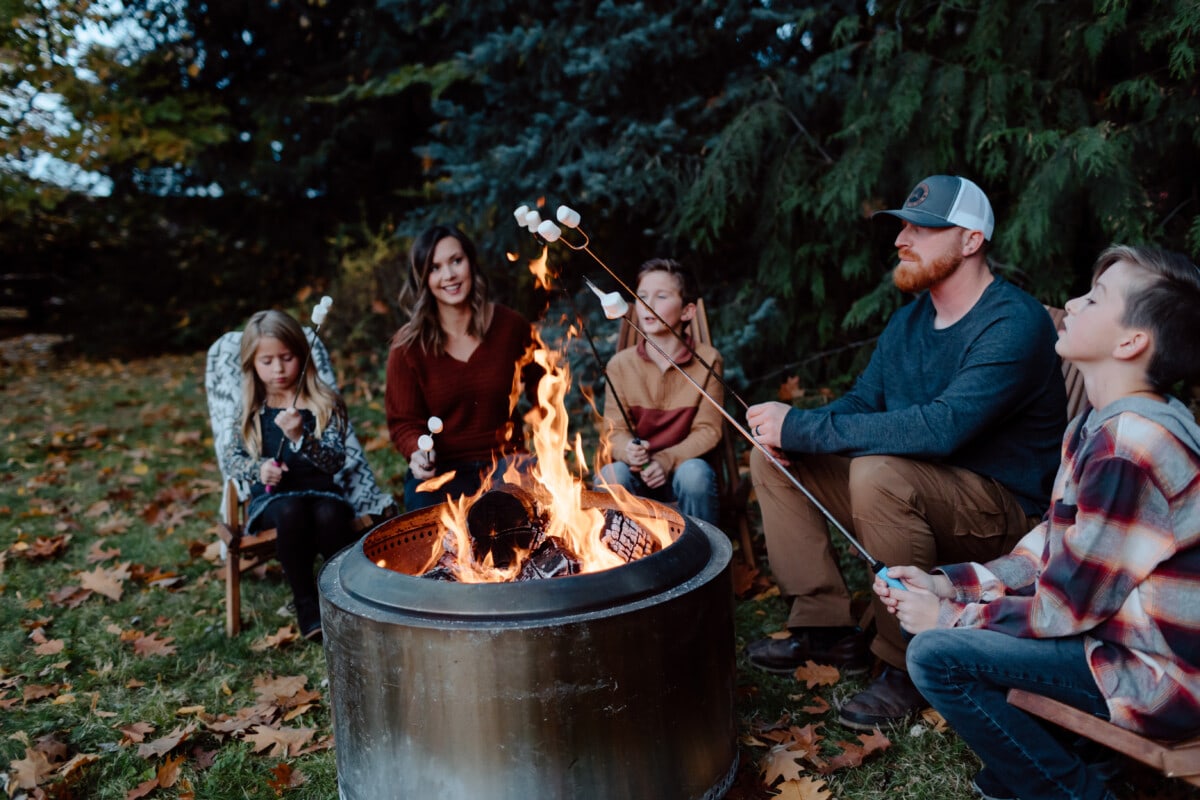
{"points": [[946, 201]]}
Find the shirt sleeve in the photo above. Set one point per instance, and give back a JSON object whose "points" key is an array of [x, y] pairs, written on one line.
{"points": [[1120, 535], [240, 464], [327, 452], [407, 414], [994, 378]]}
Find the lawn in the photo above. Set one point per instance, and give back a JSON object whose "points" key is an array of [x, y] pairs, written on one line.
{"points": [[117, 679]]}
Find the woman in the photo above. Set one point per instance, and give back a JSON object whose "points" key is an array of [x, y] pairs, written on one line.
{"points": [[458, 358]]}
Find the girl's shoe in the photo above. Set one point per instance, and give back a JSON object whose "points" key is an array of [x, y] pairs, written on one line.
{"points": [[308, 616]]}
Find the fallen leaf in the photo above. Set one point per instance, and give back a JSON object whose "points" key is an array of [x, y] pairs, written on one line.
{"points": [[168, 773], [285, 635], [142, 789], [69, 771], [780, 764], [935, 720], [105, 581], [33, 691], [285, 778], [160, 747], [814, 674], [50, 648], [817, 707], [282, 741], [136, 732], [805, 788], [32, 770], [151, 645], [271, 689]]}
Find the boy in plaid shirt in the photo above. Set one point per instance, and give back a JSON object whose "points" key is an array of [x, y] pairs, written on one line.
{"points": [[1099, 605]]}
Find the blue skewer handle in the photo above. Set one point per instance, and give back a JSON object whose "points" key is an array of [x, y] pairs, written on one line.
{"points": [[882, 573]]}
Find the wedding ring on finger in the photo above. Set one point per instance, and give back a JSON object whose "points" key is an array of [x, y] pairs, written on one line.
{"points": [[756, 431]]}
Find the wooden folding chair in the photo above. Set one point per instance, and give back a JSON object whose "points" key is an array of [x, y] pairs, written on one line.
{"points": [[1173, 759], [733, 490], [242, 552]]}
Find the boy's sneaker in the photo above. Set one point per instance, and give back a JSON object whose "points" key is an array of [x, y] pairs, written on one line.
{"points": [[989, 787]]}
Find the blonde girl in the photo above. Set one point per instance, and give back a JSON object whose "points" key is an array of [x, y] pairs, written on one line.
{"points": [[296, 494]]}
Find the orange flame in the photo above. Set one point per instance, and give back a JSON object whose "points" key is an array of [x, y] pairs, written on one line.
{"points": [[559, 491], [540, 267]]}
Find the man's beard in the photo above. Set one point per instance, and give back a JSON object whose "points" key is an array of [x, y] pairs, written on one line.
{"points": [[916, 276]]}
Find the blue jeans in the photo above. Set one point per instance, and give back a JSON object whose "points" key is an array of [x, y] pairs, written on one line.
{"points": [[966, 673], [693, 485]]}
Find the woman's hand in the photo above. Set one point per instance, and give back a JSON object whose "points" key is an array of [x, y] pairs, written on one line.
{"points": [[653, 474], [636, 454], [271, 472], [290, 422], [423, 464]]}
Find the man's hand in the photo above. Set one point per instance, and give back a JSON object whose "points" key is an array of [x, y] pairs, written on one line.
{"points": [[636, 453], [765, 421]]}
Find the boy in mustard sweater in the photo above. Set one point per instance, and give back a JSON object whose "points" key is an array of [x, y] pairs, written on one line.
{"points": [[674, 426]]}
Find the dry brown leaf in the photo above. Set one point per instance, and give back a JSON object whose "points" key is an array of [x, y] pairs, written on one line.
{"points": [[33, 691], [744, 577], [874, 742], [98, 509], [96, 553], [817, 706], [51, 647], [285, 635], [791, 389], [285, 778], [164, 745], [813, 674], [934, 720], [43, 547], [142, 789], [117, 523], [282, 741], [69, 771], [805, 788], [105, 581], [783, 634], [780, 764], [168, 773], [135, 733], [271, 689], [851, 756], [151, 645], [32, 770]]}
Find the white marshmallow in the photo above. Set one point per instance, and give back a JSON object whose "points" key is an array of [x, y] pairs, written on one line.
{"points": [[520, 214], [318, 315], [326, 301], [614, 305], [549, 231], [425, 443], [435, 424], [532, 220], [569, 216]]}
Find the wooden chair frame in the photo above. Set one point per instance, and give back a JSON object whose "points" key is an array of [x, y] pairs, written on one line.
{"points": [[733, 490]]}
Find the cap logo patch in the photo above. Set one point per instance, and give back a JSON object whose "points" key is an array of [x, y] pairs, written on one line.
{"points": [[918, 195]]}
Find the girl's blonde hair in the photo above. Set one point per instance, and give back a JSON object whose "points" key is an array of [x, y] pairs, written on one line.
{"points": [[319, 398], [423, 326]]}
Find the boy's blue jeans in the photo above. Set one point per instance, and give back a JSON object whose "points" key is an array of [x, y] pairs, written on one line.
{"points": [[966, 673], [693, 485]]}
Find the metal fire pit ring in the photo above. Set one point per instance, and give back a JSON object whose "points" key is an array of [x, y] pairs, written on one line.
{"points": [[612, 684]]}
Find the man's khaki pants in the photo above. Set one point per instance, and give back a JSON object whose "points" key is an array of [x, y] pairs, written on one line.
{"points": [[902, 511]]}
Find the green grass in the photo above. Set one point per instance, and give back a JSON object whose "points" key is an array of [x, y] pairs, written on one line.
{"points": [[118, 457]]}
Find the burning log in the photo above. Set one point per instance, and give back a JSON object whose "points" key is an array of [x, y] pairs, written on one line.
{"points": [[625, 537], [505, 522]]}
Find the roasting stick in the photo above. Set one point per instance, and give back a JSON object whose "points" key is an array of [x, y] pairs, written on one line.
{"points": [[877, 567], [319, 312], [570, 218]]}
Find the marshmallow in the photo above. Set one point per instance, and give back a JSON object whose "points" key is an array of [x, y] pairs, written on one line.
{"points": [[549, 231], [435, 424], [520, 214], [568, 216], [532, 220], [326, 301], [425, 443], [613, 304], [318, 315]]}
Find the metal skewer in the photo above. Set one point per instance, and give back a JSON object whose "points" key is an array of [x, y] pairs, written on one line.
{"points": [[319, 320]]}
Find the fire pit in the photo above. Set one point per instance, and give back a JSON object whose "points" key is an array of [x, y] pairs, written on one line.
{"points": [[609, 684]]}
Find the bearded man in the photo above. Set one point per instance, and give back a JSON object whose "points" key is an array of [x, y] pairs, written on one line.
{"points": [[943, 452]]}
